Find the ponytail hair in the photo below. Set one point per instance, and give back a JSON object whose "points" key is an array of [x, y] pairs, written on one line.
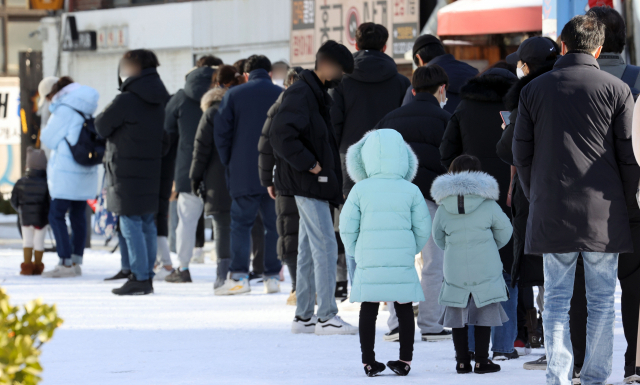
{"points": [[60, 84]]}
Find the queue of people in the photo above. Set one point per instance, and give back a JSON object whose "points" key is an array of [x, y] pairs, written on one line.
{"points": [[500, 181]]}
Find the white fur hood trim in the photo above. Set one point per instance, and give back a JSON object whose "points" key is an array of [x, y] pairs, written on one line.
{"points": [[465, 183]]}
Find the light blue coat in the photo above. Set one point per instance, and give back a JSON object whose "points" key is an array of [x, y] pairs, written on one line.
{"points": [[470, 227], [385, 221], [66, 178]]}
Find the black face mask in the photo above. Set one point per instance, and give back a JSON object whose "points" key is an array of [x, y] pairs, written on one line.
{"points": [[332, 83]]}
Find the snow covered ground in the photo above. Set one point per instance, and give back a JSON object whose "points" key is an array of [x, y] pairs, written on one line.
{"points": [[183, 334]]}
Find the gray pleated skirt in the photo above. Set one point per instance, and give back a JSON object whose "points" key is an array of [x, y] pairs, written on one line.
{"points": [[458, 317]]}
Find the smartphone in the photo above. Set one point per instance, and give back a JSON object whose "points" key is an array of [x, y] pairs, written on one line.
{"points": [[505, 117]]}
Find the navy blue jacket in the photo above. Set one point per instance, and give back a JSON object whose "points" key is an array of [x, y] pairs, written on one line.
{"points": [[459, 74], [237, 128]]}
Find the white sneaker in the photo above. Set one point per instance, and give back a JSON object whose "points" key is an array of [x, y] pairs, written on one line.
{"points": [[78, 270], [347, 305], [233, 287], [60, 271], [198, 255], [271, 285], [335, 326], [304, 327], [161, 273]]}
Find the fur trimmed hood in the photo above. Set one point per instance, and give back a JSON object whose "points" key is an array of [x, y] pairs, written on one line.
{"points": [[512, 98], [448, 187], [489, 87], [381, 152], [212, 96]]}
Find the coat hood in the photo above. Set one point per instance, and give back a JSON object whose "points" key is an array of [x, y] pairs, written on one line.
{"points": [[199, 82], [474, 186], [492, 86], [78, 97], [512, 98], [381, 153], [373, 67], [148, 86], [212, 96]]}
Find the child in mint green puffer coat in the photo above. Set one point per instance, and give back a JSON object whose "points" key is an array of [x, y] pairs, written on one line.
{"points": [[384, 224]]}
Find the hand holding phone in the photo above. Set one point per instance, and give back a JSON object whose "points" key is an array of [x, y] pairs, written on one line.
{"points": [[505, 118]]}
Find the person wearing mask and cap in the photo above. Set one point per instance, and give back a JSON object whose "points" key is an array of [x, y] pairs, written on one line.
{"points": [[428, 50], [44, 89]]}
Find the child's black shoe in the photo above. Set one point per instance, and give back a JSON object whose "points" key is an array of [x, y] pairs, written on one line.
{"points": [[400, 368], [374, 369], [486, 367], [464, 367]]}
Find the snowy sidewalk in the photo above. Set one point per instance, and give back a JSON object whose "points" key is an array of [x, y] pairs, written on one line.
{"points": [[183, 334]]}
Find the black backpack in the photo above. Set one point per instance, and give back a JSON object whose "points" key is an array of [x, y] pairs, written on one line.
{"points": [[89, 150], [629, 76]]}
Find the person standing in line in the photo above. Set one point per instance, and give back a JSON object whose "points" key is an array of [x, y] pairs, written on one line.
{"points": [[30, 198], [182, 115], [422, 123], [384, 223], [570, 144], [428, 50], [133, 127], [70, 183], [236, 130], [308, 168]]}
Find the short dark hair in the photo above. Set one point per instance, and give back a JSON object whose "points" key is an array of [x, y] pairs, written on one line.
{"points": [[429, 79], [60, 84], [239, 64], [429, 52], [583, 33], [336, 53], [465, 163], [371, 36], [142, 57], [209, 61], [293, 75], [615, 33], [255, 62]]}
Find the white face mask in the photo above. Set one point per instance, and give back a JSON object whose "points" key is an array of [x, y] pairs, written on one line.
{"points": [[278, 82], [520, 72], [123, 77], [442, 104]]}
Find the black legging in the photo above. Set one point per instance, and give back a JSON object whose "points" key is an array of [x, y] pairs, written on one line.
{"points": [[407, 326], [461, 342]]}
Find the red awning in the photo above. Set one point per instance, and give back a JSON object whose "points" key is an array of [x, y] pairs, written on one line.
{"points": [[483, 17]]}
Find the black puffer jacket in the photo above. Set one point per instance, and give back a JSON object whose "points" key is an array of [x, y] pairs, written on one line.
{"points": [[287, 224], [527, 269], [30, 198], [132, 124], [422, 123], [206, 164], [476, 127], [266, 160], [167, 169], [183, 114], [301, 135], [374, 89]]}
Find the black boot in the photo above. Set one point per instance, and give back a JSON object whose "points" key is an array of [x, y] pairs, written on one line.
{"points": [[400, 368], [463, 367], [121, 275], [374, 369], [535, 338], [341, 290], [134, 287], [486, 366]]}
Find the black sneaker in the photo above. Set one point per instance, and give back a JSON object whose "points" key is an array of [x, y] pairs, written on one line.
{"points": [[341, 290], [374, 369], [121, 275], [400, 368], [392, 336], [631, 374], [464, 367], [445, 334], [179, 276], [254, 276], [505, 356], [486, 367], [539, 364], [133, 287], [575, 376]]}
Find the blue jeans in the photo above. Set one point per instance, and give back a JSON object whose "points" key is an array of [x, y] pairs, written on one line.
{"points": [[65, 246], [244, 210], [140, 236], [600, 271], [502, 337], [317, 260], [125, 265]]}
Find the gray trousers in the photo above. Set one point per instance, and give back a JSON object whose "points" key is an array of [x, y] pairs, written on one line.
{"points": [[189, 210], [164, 255], [432, 276]]}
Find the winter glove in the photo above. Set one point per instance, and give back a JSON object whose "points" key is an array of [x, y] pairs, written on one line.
{"points": [[196, 186]]}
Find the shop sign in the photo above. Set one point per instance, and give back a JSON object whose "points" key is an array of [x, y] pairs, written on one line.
{"points": [[74, 40], [113, 37]]}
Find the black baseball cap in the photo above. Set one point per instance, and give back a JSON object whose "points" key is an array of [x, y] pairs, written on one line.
{"points": [[423, 41], [533, 50]]}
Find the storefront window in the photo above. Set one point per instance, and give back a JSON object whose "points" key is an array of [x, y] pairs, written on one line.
{"points": [[21, 37]]}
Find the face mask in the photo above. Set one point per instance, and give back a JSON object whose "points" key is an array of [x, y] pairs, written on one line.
{"points": [[278, 82], [520, 72], [442, 104]]}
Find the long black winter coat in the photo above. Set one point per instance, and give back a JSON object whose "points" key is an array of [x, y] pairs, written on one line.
{"points": [[133, 126], [30, 198], [167, 170], [301, 135], [374, 89], [421, 123], [266, 160], [527, 269], [183, 114], [206, 164], [572, 148], [459, 74], [476, 127]]}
